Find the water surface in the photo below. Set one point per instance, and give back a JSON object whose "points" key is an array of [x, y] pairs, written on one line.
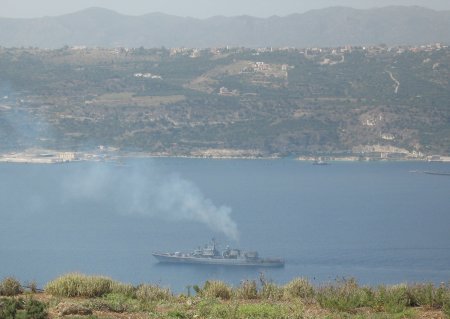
{"points": [[377, 222]]}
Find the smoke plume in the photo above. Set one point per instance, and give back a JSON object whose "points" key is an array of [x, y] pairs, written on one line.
{"points": [[147, 191]]}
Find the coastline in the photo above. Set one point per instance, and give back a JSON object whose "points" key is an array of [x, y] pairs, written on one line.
{"points": [[41, 156]]}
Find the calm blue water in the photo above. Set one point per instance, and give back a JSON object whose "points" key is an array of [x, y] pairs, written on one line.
{"points": [[374, 221]]}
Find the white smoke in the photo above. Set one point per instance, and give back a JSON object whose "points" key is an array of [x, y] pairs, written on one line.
{"points": [[145, 191]]}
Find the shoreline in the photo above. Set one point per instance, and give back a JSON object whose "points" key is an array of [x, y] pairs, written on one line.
{"points": [[57, 157]]}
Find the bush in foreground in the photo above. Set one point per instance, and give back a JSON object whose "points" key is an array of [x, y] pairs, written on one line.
{"points": [[8, 308], [345, 295], [124, 289], [78, 285], [299, 288], [147, 293], [427, 295], [10, 287], [18, 308], [270, 290], [35, 309], [216, 289], [391, 299], [247, 290], [446, 303]]}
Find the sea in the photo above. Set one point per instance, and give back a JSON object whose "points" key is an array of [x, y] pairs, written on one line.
{"points": [[377, 222]]}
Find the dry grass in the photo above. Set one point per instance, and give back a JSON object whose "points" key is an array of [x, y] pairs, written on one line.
{"points": [[10, 287], [297, 299], [216, 289], [248, 290], [299, 288], [79, 285], [152, 293]]}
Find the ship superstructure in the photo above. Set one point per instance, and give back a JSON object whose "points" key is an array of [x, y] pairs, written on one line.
{"points": [[211, 255]]}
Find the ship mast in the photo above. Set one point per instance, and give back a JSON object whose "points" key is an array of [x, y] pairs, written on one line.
{"points": [[215, 252]]}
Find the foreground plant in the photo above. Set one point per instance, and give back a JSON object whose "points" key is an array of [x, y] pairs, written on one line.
{"points": [[250, 299], [11, 308], [299, 288], [79, 285], [10, 287], [216, 289], [148, 293]]}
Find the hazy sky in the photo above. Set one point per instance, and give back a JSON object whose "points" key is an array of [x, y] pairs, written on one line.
{"points": [[196, 8]]}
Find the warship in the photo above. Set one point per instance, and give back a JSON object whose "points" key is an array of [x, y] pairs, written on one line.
{"points": [[211, 255]]}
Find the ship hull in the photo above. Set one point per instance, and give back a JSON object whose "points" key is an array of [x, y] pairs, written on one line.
{"points": [[166, 258]]}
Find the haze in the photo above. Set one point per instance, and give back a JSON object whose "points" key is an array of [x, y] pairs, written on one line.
{"points": [[197, 8]]}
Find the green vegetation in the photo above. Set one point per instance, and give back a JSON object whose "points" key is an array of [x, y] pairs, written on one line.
{"points": [[344, 296], [22, 309], [150, 293], [35, 309], [92, 297], [79, 285], [250, 311], [10, 287], [216, 289], [331, 101], [299, 288], [248, 290]]}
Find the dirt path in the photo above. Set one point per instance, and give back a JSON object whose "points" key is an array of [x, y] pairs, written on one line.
{"points": [[397, 83]]}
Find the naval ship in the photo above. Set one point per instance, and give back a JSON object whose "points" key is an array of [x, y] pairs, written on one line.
{"points": [[211, 255]]}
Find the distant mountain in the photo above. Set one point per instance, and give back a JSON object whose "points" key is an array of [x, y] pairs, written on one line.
{"points": [[327, 27]]}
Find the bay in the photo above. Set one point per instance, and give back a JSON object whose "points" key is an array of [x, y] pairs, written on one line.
{"points": [[379, 222]]}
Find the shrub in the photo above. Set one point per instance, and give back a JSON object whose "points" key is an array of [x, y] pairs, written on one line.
{"points": [[392, 299], [148, 293], [78, 285], [35, 309], [8, 308], [446, 304], [271, 291], [197, 289], [247, 290], [422, 295], [346, 295], [442, 294], [206, 306], [216, 289], [299, 288], [32, 285], [10, 287], [123, 289]]}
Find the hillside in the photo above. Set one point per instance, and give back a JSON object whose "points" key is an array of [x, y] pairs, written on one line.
{"points": [[96, 27], [343, 101]]}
